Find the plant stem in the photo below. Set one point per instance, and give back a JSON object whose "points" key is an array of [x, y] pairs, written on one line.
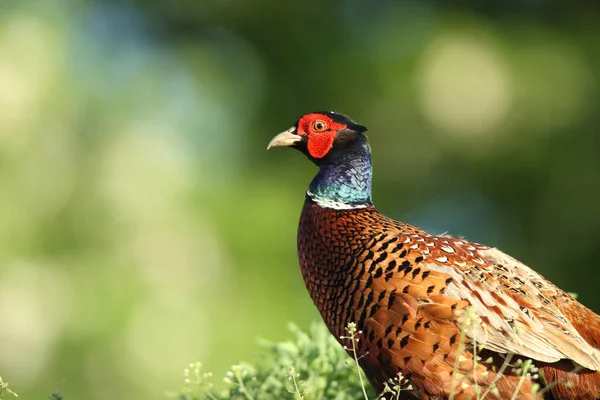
{"points": [[498, 375], [352, 330]]}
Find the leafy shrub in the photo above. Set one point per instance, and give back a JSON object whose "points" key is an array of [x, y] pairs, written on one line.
{"points": [[313, 365]]}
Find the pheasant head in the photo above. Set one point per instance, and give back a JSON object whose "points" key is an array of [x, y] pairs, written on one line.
{"points": [[339, 147]]}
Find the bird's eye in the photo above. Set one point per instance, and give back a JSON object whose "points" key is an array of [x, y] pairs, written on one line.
{"points": [[319, 125]]}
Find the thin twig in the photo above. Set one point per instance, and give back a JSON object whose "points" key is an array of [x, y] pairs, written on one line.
{"points": [[352, 330], [499, 374]]}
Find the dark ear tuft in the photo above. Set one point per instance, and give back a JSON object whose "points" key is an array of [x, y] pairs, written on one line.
{"points": [[357, 128]]}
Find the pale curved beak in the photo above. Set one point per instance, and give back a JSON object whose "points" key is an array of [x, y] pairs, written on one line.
{"points": [[285, 138]]}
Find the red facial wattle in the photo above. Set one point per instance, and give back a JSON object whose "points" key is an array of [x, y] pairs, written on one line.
{"points": [[319, 142]]}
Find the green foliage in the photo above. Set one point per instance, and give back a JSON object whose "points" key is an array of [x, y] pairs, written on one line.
{"points": [[56, 395], [315, 366], [312, 366], [5, 390]]}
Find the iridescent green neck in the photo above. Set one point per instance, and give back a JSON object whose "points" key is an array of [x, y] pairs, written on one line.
{"points": [[345, 177]]}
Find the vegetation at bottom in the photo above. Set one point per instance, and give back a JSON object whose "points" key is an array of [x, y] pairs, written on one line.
{"points": [[313, 366]]}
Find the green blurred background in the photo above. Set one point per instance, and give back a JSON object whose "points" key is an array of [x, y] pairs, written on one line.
{"points": [[143, 225]]}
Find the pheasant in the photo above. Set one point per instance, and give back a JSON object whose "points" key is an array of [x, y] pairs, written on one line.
{"points": [[452, 316]]}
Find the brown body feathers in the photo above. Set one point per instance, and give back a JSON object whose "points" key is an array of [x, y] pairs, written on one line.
{"points": [[405, 290]]}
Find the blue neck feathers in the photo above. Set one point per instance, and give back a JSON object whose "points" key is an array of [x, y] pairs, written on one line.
{"points": [[345, 177]]}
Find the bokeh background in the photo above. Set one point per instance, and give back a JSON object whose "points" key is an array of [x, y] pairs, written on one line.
{"points": [[144, 226]]}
